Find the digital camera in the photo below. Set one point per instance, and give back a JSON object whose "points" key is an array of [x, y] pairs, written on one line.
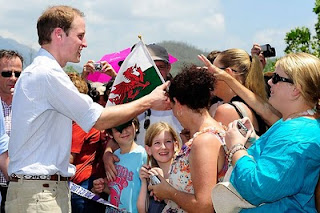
{"points": [[97, 66], [242, 128], [268, 51]]}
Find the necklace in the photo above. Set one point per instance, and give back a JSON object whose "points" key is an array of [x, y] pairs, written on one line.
{"points": [[305, 113]]}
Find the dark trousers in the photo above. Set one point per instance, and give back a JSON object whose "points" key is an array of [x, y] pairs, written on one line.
{"points": [[3, 191]]}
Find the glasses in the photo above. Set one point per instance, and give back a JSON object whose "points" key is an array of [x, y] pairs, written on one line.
{"points": [[8, 74], [276, 78], [223, 68], [146, 123]]}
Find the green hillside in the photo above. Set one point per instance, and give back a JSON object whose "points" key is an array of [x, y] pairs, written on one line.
{"points": [[185, 53]]}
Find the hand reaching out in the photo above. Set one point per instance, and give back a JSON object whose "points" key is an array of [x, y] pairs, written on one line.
{"points": [[218, 73]]}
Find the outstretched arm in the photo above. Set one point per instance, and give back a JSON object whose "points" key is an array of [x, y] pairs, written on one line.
{"points": [[261, 107], [115, 115]]}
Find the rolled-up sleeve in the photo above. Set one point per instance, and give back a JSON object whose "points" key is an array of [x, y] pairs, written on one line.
{"points": [[65, 98]]}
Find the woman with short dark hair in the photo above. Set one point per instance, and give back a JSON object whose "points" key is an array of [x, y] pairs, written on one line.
{"points": [[201, 162]]}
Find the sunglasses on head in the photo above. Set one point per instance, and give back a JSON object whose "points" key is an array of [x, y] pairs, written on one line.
{"points": [[146, 123], [8, 74], [121, 127], [276, 78]]}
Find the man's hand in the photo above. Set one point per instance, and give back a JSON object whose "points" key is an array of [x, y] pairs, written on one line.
{"points": [[158, 98]]}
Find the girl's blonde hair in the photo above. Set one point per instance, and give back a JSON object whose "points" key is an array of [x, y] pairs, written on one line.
{"points": [[246, 66], [303, 69], [154, 130]]}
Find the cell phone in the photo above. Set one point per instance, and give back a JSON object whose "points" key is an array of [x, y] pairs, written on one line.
{"points": [[242, 128], [97, 66], [154, 180]]}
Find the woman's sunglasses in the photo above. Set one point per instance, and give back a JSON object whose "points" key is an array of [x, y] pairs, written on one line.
{"points": [[276, 78], [8, 74]]}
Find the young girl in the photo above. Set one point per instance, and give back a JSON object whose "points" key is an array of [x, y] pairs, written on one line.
{"points": [[124, 190], [161, 142]]}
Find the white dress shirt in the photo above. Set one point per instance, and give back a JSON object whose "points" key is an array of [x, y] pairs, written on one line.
{"points": [[45, 102]]}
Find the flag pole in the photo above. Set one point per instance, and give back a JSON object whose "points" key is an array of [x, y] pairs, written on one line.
{"points": [[140, 37]]}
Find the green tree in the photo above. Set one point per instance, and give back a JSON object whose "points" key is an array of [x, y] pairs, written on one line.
{"points": [[301, 40]]}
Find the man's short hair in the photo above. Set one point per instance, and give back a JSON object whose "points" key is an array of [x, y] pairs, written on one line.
{"points": [[10, 54], [53, 17]]}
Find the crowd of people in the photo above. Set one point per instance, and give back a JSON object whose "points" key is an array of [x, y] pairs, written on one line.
{"points": [[224, 122]]}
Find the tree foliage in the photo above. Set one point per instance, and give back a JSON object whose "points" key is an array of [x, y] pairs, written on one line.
{"points": [[301, 40]]}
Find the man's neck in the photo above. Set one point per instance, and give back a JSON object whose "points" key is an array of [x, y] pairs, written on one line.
{"points": [[6, 98], [54, 51]]}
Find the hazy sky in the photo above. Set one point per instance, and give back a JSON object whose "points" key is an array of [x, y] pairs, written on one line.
{"points": [[206, 24]]}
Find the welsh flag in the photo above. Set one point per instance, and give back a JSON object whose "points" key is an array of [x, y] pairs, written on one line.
{"points": [[137, 77]]}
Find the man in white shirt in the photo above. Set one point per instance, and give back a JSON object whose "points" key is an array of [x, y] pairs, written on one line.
{"points": [[45, 103]]}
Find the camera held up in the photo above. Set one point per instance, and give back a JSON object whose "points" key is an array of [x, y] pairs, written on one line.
{"points": [[268, 51], [97, 66]]}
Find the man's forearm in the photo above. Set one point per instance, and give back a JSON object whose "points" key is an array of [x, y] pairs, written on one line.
{"points": [[115, 115]]}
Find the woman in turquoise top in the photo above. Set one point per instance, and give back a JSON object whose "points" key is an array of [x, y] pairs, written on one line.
{"points": [[280, 171]]}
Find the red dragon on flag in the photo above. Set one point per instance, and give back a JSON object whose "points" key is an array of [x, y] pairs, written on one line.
{"points": [[127, 91], [137, 77]]}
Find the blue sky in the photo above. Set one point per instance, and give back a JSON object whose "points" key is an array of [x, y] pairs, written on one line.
{"points": [[206, 24]]}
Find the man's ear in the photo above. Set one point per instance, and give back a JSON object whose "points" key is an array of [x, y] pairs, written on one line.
{"points": [[169, 67], [58, 33]]}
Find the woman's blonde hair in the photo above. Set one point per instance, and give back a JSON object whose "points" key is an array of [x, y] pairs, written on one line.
{"points": [[246, 66], [154, 130], [304, 70]]}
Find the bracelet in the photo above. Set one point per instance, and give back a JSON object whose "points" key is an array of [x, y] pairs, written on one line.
{"points": [[235, 148]]}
